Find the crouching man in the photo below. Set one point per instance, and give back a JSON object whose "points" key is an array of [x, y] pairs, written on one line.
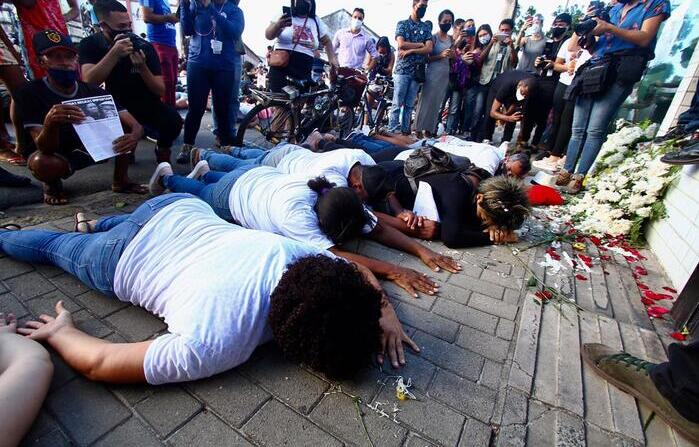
{"points": [[221, 289], [58, 150]]}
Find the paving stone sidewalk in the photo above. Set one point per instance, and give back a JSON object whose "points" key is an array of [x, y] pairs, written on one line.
{"points": [[495, 368]]}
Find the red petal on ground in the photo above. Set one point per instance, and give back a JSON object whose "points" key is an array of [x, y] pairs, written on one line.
{"points": [[586, 259], [642, 286], [581, 277], [635, 276], [572, 231], [670, 289], [647, 301], [595, 240], [656, 296], [547, 294], [657, 311], [630, 259], [640, 270], [552, 252], [539, 294], [605, 257], [678, 336]]}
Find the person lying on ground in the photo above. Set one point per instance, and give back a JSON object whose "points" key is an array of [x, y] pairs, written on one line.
{"points": [[25, 376], [58, 151], [314, 211], [173, 257], [471, 212]]}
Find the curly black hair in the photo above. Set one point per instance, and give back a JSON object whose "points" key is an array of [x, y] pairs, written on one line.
{"points": [[505, 201], [325, 315], [341, 213]]}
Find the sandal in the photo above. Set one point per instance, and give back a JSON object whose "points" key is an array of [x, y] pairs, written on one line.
{"points": [[11, 227], [53, 199], [130, 188], [12, 158], [77, 222]]}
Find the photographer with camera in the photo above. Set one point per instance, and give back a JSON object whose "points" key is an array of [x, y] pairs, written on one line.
{"points": [[624, 45], [538, 108], [130, 69]]}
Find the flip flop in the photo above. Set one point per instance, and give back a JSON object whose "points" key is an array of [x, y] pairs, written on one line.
{"points": [[12, 159], [77, 222]]}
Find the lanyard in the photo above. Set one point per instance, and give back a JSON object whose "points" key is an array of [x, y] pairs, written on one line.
{"points": [[212, 30]]}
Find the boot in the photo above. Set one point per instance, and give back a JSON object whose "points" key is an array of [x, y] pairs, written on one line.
{"points": [[563, 178]]}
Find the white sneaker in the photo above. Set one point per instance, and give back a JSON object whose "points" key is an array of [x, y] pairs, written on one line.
{"points": [[199, 170], [154, 185], [545, 165]]}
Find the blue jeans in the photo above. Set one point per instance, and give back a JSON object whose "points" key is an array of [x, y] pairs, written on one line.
{"points": [[214, 188], [238, 157], [405, 90], [475, 103], [201, 81], [92, 258], [454, 109], [591, 120], [234, 105], [368, 144]]}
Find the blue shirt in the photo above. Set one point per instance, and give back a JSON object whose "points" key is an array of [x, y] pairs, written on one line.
{"points": [[163, 33], [224, 23], [410, 31], [644, 9]]}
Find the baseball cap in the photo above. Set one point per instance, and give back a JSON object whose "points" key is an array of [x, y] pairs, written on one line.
{"points": [[49, 39]]}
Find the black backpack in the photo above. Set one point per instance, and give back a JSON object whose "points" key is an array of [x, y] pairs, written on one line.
{"points": [[431, 160]]}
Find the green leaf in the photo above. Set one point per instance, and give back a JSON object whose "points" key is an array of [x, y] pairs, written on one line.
{"points": [[119, 205], [532, 282]]}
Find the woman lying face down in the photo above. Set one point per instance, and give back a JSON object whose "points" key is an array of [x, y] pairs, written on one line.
{"points": [[502, 205]]}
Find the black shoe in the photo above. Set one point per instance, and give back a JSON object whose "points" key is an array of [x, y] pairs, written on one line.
{"points": [[9, 179], [687, 156], [675, 133]]}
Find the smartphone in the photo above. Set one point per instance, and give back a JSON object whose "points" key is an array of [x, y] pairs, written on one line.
{"points": [[286, 10]]}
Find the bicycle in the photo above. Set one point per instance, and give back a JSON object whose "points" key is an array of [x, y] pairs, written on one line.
{"points": [[381, 89], [304, 106]]}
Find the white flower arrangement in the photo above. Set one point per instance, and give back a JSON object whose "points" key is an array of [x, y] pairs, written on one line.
{"points": [[626, 187]]}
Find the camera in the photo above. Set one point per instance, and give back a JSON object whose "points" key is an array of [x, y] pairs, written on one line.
{"points": [[138, 42], [547, 55], [585, 27]]}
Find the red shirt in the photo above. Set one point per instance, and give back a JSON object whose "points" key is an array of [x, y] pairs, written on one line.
{"points": [[46, 14]]}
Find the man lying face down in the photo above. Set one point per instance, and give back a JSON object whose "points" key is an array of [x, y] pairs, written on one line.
{"points": [[221, 289]]}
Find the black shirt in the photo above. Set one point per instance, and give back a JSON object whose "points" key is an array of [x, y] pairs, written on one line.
{"points": [[124, 83], [35, 99], [505, 86], [455, 198]]}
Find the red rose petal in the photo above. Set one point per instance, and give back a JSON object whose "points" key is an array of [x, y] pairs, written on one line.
{"points": [[630, 259], [670, 289], [642, 286], [647, 301], [635, 276], [572, 231], [581, 277], [678, 336], [539, 294], [640, 270], [547, 294], [552, 252], [605, 257], [657, 310], [595, 240], [656, 296]]}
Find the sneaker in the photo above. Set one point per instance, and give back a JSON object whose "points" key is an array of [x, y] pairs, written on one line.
{"points": [[686, 156], [575, 184], [546, 165], [631, 375], [674, 133], [563, 178], [155, 184], [199, 170], [183, 156]]}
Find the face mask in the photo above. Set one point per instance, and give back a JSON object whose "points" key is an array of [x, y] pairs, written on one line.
{"points": [[623, 2], [421, 12], [445, 27], [112, 33], [470, 31], [64, 78], [536, 28], [301, 9], [520, 97], [356, 24], [484, 40], [559, 31]]}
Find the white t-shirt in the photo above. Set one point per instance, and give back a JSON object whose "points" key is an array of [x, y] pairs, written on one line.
{"points": [[563, 53], [269, 200], [306, 36], [482, 155], [210, 281], [334, 165]]}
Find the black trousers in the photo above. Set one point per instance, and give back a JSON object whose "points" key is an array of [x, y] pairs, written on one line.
{"points": [[536, 113], [488, 127], [678, 379], [561, 128], [157, 116]]}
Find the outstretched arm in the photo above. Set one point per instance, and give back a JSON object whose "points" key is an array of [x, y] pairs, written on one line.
{"points": [[92, 357]]}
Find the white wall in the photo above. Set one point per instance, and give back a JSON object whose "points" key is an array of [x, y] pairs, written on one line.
{"points": [[675, 239]]}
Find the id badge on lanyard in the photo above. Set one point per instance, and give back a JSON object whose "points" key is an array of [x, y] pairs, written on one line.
{"points": [[216, 45]]}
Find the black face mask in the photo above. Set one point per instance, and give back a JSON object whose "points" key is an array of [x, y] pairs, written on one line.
{"points": [[112, 33], [445, 27], [301, 9], [558, 31], [421, 12]]}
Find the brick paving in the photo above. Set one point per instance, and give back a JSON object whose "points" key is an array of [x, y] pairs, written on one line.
{"points": [[495, 369]]}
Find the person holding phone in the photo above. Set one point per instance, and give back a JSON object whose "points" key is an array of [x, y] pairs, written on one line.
{"points": [[532, 45], [474, 97], [507, 101], [298, 33], [215, 26], [626, 44], [437, 77]]}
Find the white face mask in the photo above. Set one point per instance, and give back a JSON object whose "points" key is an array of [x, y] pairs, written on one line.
{"points": [[356, 24], [520, 97], [484, 39], [536, 28]]}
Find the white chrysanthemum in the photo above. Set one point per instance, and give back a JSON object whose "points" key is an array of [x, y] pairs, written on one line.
{"points": [[643, 212]]}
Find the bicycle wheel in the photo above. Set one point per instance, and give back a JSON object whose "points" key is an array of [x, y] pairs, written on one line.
{"points": [[340, 120], [381, 118], [274, 122]]}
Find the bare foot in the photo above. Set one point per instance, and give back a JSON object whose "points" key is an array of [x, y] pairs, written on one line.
{"points": [[8, 324], [83, 224]]}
